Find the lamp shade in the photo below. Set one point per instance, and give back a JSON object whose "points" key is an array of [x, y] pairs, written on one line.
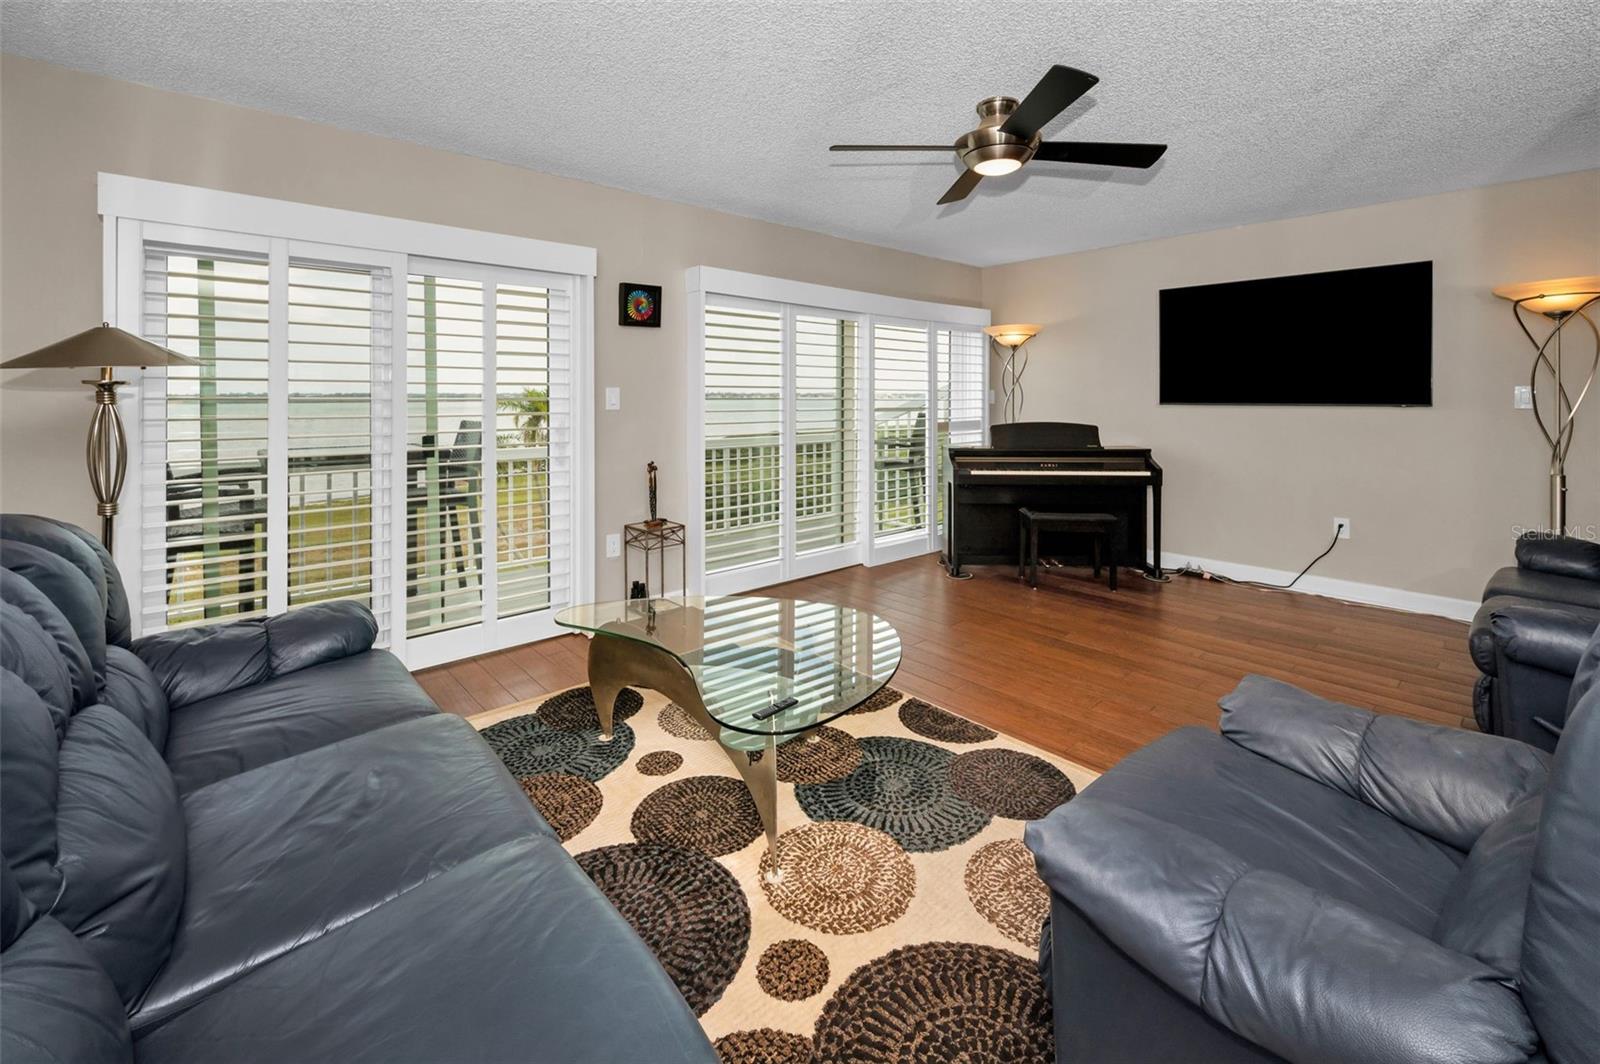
{"points": [[1563, 295], [1012, 335], [104, 345]]}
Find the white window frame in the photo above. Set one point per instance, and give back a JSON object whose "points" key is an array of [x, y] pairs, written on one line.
{"points": [[711, 284], [128, 205]]}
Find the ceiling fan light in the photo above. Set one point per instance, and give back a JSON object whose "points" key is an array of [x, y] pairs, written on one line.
{"points": [[998, 167]]}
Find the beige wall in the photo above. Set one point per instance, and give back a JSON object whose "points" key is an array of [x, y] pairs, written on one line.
{"points": [[58, 128], [1432, 494]]}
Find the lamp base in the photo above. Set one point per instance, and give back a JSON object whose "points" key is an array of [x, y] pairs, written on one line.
{"points": [[106, 452]]}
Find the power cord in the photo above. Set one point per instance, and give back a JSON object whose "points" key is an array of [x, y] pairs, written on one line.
{"points": [[1204, 574]]}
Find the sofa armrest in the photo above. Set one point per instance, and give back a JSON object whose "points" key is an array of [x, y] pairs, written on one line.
{"points": [[1559, 555], [1447, 783], [1547, 635], [1302, 974], [202, 662]]}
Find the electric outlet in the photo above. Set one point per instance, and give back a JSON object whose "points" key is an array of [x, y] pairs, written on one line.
{"points": [[1522, 397], [613, 398], [613, 546], [1342, 525]]}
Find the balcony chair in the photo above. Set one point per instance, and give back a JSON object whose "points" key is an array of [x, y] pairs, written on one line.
{"points": [[238, 525]]}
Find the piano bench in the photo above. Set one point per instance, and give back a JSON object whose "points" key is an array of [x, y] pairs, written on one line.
{"points": [[1104, 530]]}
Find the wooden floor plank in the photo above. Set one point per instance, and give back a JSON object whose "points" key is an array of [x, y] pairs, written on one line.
{"points": [[1073, 667]]}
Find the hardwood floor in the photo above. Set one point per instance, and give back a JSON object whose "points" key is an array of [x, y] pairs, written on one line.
{"points": [[1075, 668]]}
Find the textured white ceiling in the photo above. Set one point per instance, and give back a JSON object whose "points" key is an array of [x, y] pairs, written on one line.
{"points": [[1272, 109]]}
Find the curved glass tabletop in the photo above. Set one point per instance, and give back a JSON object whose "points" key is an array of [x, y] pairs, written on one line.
{"points": [[747, 652]]}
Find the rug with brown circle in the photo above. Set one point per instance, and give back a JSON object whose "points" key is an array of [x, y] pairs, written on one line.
{"points": [[903, 920]]}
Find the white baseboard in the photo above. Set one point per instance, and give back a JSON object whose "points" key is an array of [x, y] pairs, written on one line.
{"points": [[1327, 587]]}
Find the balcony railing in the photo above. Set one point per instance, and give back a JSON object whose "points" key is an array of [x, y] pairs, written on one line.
{"points": [[743, 512], [214, 560]]}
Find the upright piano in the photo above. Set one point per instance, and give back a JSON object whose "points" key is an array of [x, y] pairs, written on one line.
{"points": [[1054, 466]]}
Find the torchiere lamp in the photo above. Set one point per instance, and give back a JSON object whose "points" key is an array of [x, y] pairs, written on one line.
{"points": [[1012, 338], [109, 348], [1562, 301]]}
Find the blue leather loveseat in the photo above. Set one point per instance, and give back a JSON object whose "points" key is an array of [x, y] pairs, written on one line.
{"points": [[261, 841], [1321, 884]]}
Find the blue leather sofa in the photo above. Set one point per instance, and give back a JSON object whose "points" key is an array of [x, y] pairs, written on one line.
{"points": [[1321, 884], [261, 841]]}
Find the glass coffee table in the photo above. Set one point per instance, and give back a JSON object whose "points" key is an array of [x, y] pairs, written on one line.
{"points": [[754, 672]]}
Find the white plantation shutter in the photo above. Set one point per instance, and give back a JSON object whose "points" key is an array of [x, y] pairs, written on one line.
{"points": [[383, 411], [826, 451], [338, 465], [444, 447], [900, 382], [264, 469], [960, 355], [535, 435], [488, 347], [203, 508], [744, 375]]}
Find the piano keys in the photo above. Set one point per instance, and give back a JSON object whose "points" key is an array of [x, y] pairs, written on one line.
{"points": [[1052, 466]]}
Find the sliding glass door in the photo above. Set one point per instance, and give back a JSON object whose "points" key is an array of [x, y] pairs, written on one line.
{"points": [[822, 436], [781, 442], [489, 457], [334, 442]]}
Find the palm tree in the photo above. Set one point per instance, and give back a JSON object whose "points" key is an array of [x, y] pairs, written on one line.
{"points": [[531, 416]]}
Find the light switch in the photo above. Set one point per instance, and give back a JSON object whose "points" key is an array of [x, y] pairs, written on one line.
{"points": [[1521, 397], [613, 398], [613, 545]]}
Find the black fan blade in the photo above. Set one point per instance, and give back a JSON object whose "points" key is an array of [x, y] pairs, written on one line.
{"points": [[890, 147], [962, 188], [1055, 92], [1096, 153]]}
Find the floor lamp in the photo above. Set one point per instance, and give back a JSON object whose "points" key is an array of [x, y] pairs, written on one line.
{"points": [[1012, 338], [1563, 302], [107, 450]]}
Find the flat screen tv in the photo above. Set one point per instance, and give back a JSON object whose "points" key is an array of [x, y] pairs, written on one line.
{"points": [[1342, 338]]}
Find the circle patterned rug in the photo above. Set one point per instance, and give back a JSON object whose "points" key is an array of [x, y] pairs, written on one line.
{"points": [[899, 918]]}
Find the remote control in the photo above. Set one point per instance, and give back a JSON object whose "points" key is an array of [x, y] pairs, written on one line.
{"points": [[777, 707]]}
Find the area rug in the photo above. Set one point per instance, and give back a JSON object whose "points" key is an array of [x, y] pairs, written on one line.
{"points": [[905, 924]]}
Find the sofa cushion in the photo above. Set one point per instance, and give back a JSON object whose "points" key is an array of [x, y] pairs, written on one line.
{"points": [[132, 689], [87, 554], [122, 853], [1587, 676], [202, 662], [59, 1006], [193, 664], [538, 966], [1275, 819], [41, 646], [1559, 555], [73, 594], [1560, 963], [241, 730], [1484, 910], [1448, 783], [293, 850], [1549, 587], [29, 779]]}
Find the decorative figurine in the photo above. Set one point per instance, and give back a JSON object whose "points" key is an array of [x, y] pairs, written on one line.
{"points": [[654, 522]]}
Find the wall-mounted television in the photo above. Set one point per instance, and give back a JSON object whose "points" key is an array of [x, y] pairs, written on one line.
{"points": [[1342, 338]]}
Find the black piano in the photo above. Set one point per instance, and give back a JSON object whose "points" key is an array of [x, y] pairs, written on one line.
{"points": [[1046, 465]]}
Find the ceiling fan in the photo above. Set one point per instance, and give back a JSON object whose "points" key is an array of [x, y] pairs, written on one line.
{"points": [[1008, 135]]}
